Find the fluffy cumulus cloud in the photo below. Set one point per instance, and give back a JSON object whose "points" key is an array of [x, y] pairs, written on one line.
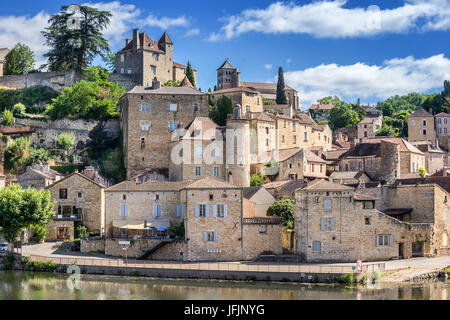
{"points": [[166, 22], [370, 82], [332, 19]]}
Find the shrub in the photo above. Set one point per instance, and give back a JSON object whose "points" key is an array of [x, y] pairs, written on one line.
{"points": [[285, 209], [8, 119], [10, 258], [40, 232], [41, 266], [19, 110], [256, 180], [66, 169], [347, 278], [66, 141], [83, 231]]}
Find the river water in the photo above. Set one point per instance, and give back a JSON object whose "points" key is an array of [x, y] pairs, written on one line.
{"points": [[43, 286]]}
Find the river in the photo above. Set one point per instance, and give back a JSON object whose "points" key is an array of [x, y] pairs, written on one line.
{"points": [[44, 286]]}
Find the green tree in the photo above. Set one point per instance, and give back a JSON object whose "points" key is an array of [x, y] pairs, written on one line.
{"points": [[285, 209], [72, 46], [99, 140], [22, 209], [66, 141], [281, 88], [386, 131], [343, 115], [190, 74], [257, 180], [171, 83], [15, 155], [20, 60], [110, 61], [95, 98], [386, 108], [446, 95], [434, 103], [8, 119], [82, 231], [37, 156], [223, 108], [19, 110]]}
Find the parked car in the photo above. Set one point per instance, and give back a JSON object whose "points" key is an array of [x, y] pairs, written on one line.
{"points": [[3, 247]]}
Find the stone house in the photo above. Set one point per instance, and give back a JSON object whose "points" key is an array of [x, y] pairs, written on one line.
{"points": [[229, 77], [442, 124], [250, 100], [3, 53], [144, 60], [257, 201], [421, 126], [284, 109], [434, 156], [333, 223], [263, 134], [368, 126], [383, 159], [79, 201], [320, 112], [149, 118], [349, 177], [38, 176], [212, 212]]}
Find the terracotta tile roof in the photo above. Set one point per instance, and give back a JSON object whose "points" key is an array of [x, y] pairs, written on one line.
{"points": [[181, 66], [334, 154], [186, 83], [237, 89], [211, 183], [312, 157], [362, 150], [363, 197], [326, 185], [17, 130], [321, 107], [263, 85], [291, 186], [346, 174], [442, 114], [275, 184], [342, 144], [145, 42], [166, 91], [443, 182], [165, 39], [149, 186], [305, 118], [286, 154], [404, 145], [420, 112], [76, 174], [426, 146], [261, 116]]}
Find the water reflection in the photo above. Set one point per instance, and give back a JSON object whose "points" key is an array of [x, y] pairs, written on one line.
{"points": [[40, 286]]}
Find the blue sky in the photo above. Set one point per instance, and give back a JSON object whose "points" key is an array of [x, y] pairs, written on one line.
{"points": [[335, 47]]}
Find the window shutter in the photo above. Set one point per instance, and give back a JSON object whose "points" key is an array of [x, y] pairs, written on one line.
{"points": [[225, 210], [205, 236], [178, 211], [126, 210], [216, 237], [159, 210], [207, 210], [322, 224], [391, 241], [197, 210], [155, 210], [215, 210], [376, 241], [332, 224]]}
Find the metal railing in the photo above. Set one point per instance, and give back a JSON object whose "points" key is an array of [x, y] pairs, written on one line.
{"points": [[210, 266], [67, 217]]}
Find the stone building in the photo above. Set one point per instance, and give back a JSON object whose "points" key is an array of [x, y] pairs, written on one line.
{"points": [[149, 118], [333, 223], [434, 156], [421, 126], [257, 201], [3, 53], [144, 60], [320, 112], [249, 99], [349, 177], [212, 213], [383, 159], [368, 126], [79, 200], [229, 77], [38, 176]]}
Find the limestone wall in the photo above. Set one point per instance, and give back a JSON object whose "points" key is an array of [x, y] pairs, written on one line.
{"points": [[52, 229], [55, 80], [92, 245], [259, 239]]}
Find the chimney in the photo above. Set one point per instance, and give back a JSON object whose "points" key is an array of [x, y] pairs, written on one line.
{"points": [[136, 42], [127, 42], [156, 84]]}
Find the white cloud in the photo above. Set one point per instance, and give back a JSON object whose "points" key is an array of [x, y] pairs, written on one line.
{"points": [[360, 80], [331, 19], [192, 32], [166, 22], [268, 66]]}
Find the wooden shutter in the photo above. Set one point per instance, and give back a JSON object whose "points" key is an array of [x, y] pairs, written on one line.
{"points": [[159, 210], [155, 210], [225, 210], [376, 241], [216, 237], [178, 211], [197, 210], [215, 210], [207, 210], [205, 236], [322, 224], [332, 224], [391, 240]]}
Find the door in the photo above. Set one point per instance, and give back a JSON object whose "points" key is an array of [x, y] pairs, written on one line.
{"points": [[417, 249], [400, 250], [63, 233]]}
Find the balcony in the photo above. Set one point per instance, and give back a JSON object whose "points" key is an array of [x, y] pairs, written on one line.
{"points": [[263, 221], [69, 217]]}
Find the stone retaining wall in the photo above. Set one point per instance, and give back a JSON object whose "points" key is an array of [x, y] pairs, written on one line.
{"points": [[92, 245], [55, 80]]}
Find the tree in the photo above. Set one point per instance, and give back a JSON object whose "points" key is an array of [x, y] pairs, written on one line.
{"points": [[281, 88], [446, 95], [66, 141], [434, 103], [386, 108], [285, 209], [220, 114], [172, 83], [257, 180], [110, 60], [95, 98], [15, 155], [8, 119], [75, 37], [343, 115], [20, 60], [19, 110], [99, 140], [385, 131], [22, 209], [190, 74]]}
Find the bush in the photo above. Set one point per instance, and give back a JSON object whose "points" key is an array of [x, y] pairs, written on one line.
{"points": [[66, 169], [66, 141], [19, 110], [285, 209], [10, 258], [347, 278], [256, 180], [82, 232], [8, 119], [40, 232], [40, 265], [16, 154]]}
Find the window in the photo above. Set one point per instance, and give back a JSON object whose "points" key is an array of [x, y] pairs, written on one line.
{"points": [[210, 236], [202, 210], [195, 107], [172, 126], [267, 142], [306, 136], [384, 240], [327, 224], [285, 123], [424, 132], [247, 107], [257, 101], [282, 139], [157, 197], [216, 172], [445, 130], [142, 144], [122, 58], [181, 210], [80, 195], [367, 205], [153, 69], [145, 107], [221, 210], [124, 210], [122, 70], [445, 120], [412, 123], [327, 203], [211, 197], [368, 221], [267, 130], [198, 171], [129, 71], [173, 107], [155, 56], [63, 193], [157, 210], [317, 246], [295, 139], [145, 125], [290, 166], [439, 121], [424, 123]]}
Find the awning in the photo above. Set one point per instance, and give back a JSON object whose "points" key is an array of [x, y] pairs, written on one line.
{"points": [[158, 223], [129, 224]]}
